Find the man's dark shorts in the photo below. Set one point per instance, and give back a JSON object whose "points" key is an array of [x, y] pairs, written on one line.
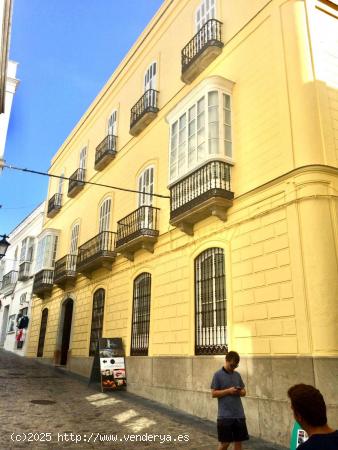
{"points": [[232, 430]]}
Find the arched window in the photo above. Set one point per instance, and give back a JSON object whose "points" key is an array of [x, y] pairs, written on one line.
{"points": [[74, 239], [141, 315], [104, 220], [210, 303], [43, 327], [97, 320]]}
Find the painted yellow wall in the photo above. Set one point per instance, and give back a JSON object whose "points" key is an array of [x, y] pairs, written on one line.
{"points": [[280, 239]]}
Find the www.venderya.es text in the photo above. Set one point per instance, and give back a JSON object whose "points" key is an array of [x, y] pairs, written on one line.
{"points": [[97, 437]]}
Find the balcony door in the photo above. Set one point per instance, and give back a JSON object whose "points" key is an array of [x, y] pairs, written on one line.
{"points": [[104, 224], [149, 85], [205, 12], [74, 239], [112, 124], [146, 187]]}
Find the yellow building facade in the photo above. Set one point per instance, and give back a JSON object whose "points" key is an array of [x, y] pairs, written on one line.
{"points": [[221, 126]]}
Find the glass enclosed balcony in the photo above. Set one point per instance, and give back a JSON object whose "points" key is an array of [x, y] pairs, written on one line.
{"points": [[43, 283], [143, 112], [65, 271], [105, 152], [76, 182], [203, 193], [8, 282], [24, 271], [54, 205], [98, 252], [137, 231], [201, 50]]}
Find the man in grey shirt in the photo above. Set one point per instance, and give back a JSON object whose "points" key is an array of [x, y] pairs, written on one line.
{"points": [[228, 387]]}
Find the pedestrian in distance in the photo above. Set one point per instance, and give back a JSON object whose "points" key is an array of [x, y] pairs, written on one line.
{"points": [[309, 411], [228, 387]]}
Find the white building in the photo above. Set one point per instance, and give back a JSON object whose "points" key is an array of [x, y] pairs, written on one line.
{"points": [[10, 88], [16, 275], [8, 80]]}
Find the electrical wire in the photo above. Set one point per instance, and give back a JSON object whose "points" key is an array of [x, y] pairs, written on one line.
{"points": [[151, 194]]}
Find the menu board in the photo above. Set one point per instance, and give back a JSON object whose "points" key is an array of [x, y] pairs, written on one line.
{"points": [[112, 363]]}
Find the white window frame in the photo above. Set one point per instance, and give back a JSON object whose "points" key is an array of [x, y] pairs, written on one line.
{"points": [[46, 251], [204, 12], [104, 215], [74, 239], [150, 77], [27, 249], [83, 158], [145, 183], [60, 184], [181, 163], [112, 123]]}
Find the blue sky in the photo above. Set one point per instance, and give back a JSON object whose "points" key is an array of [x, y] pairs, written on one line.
{"points": [[66, 50]]}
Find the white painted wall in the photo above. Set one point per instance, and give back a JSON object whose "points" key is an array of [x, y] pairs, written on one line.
{"points": [[11, 85], [30, 226]]}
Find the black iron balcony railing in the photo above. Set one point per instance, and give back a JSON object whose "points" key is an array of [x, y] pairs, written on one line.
{"points": [[54, 205], [76, 182], [24, 270], [93, 253], [43, 282], [212, 179], [208, 37], [141, 222], [105, 151], [144, 111], [9, 280], [65, 269]]}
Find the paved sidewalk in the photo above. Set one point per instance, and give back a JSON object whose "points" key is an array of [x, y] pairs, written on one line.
{"points": [[75, 411]]}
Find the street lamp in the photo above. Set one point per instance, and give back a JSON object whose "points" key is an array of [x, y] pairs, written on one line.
{"points": [[4, 244]]}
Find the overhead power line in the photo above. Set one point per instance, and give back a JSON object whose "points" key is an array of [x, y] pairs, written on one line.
{"points": [[46, 174]]}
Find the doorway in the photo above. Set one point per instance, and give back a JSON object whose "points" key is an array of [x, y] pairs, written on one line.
{"points": [[66, 330], [4, 326], [42, 335]]}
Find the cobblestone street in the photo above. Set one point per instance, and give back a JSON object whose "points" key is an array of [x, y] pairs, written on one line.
{"points": [[74, 411]]}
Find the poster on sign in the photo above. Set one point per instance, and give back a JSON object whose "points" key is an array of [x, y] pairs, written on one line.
{"points": [[112, 363]]}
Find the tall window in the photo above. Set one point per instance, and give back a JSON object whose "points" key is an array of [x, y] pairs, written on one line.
{"points": [[74, 237], [83, 156], [227, 125], [200, 133], [150, 83], [45, 257], [61, 183], [150, 77], [206, 11], [146, 186], [104, 220], [141, 315], [27, 250], [210, 303], [97, 320], [112, 124]]}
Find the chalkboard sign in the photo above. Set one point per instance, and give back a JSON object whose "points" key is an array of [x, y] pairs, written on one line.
{"points": [[112, 363]]}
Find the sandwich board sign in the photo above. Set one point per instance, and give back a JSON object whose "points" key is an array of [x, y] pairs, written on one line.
{"points": [[112, 363]]}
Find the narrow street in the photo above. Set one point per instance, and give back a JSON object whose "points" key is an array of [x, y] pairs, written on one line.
{"points": [[44, 408]]}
